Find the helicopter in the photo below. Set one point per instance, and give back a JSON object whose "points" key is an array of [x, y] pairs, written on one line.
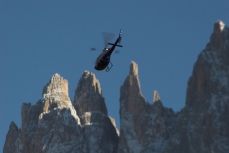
{"points": [[103, 59]]}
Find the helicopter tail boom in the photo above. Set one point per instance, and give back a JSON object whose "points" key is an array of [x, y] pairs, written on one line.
{"points": [[115, 45]]}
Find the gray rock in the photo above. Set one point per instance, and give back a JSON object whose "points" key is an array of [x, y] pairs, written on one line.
{"points": [[144, 127], [202, 125], [52, 124], [88, 95], [55, 124]]}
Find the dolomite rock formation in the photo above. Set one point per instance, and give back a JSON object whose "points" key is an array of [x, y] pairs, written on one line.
{"points": [[101, 134], [202, 125], [88, 95], [52, 124], [55, 124], [55, 93], [144, 127]]}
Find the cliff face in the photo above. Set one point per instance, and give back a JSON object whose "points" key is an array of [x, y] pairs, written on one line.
{"points": [[55, 124], [202, 125], [144, 127], [88, 95], [99, 130], [52, 125]]}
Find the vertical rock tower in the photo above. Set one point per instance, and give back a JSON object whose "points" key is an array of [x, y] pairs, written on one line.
{"points": [[88, 95], [53, 125], [56, 124], [144, 127], [99, 129], [203, 124]]}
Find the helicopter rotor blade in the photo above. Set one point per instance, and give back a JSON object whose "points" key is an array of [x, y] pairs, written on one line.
{"points": [[107, 37], [117, 51], [96, 49]]}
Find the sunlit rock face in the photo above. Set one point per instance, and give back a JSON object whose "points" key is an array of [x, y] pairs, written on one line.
{"points": [[99, 129], [49, 125], [55, 93], [88, 95], [56, 124], [12, 141], [144, 127], [52, 124], [203, 124]]}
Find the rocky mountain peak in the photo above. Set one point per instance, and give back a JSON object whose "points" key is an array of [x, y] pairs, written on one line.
{"points": [[130, 93], [219, 26], [203, 124], [90, 83], [88, 95], [52, 124], [142, 124], [133, 69], [57, 87], [55, 93], [11, 138], [210, 71], [219, 40], [156, 96]]}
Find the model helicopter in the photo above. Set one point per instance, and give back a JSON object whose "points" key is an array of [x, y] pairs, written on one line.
{"points": [[103, 59]]}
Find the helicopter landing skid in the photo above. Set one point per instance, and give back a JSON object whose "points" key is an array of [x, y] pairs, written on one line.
{"points": [[109, 67]]}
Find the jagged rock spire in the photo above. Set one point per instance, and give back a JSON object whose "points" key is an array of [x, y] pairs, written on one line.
{"points": [[156, 96], [130, 93], [89, 83], [51, 125], [55, 93], [11, 144], [141, 123], [88, 95], [211, 65], [219, 40], [219, 26], [133, 69], [57, 87], [202, 125]]}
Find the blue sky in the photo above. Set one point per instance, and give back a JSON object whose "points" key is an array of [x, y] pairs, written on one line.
{"points": [[39, 39]]}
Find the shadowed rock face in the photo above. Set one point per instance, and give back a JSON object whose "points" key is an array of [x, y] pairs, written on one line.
{"points": [[88, 95], [201, 126], [12, 141], [55, 93], [99, 130], [52, 124], [144, 127]]}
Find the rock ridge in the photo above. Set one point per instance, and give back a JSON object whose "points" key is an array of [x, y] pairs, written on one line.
{"points": [[56, 124], [53, 125], [88, 95], [202, 125], [142, 124]]}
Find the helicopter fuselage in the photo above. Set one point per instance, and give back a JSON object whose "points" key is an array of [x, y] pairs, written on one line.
{"points": [[104, 58]]}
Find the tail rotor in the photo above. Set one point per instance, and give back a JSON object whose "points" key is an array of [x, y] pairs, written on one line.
{"points": [[120, 36]]}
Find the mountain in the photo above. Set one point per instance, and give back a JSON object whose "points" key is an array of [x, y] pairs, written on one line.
{"points": [[202, 125], [57, 124], [144, 127], [53, 124]]}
